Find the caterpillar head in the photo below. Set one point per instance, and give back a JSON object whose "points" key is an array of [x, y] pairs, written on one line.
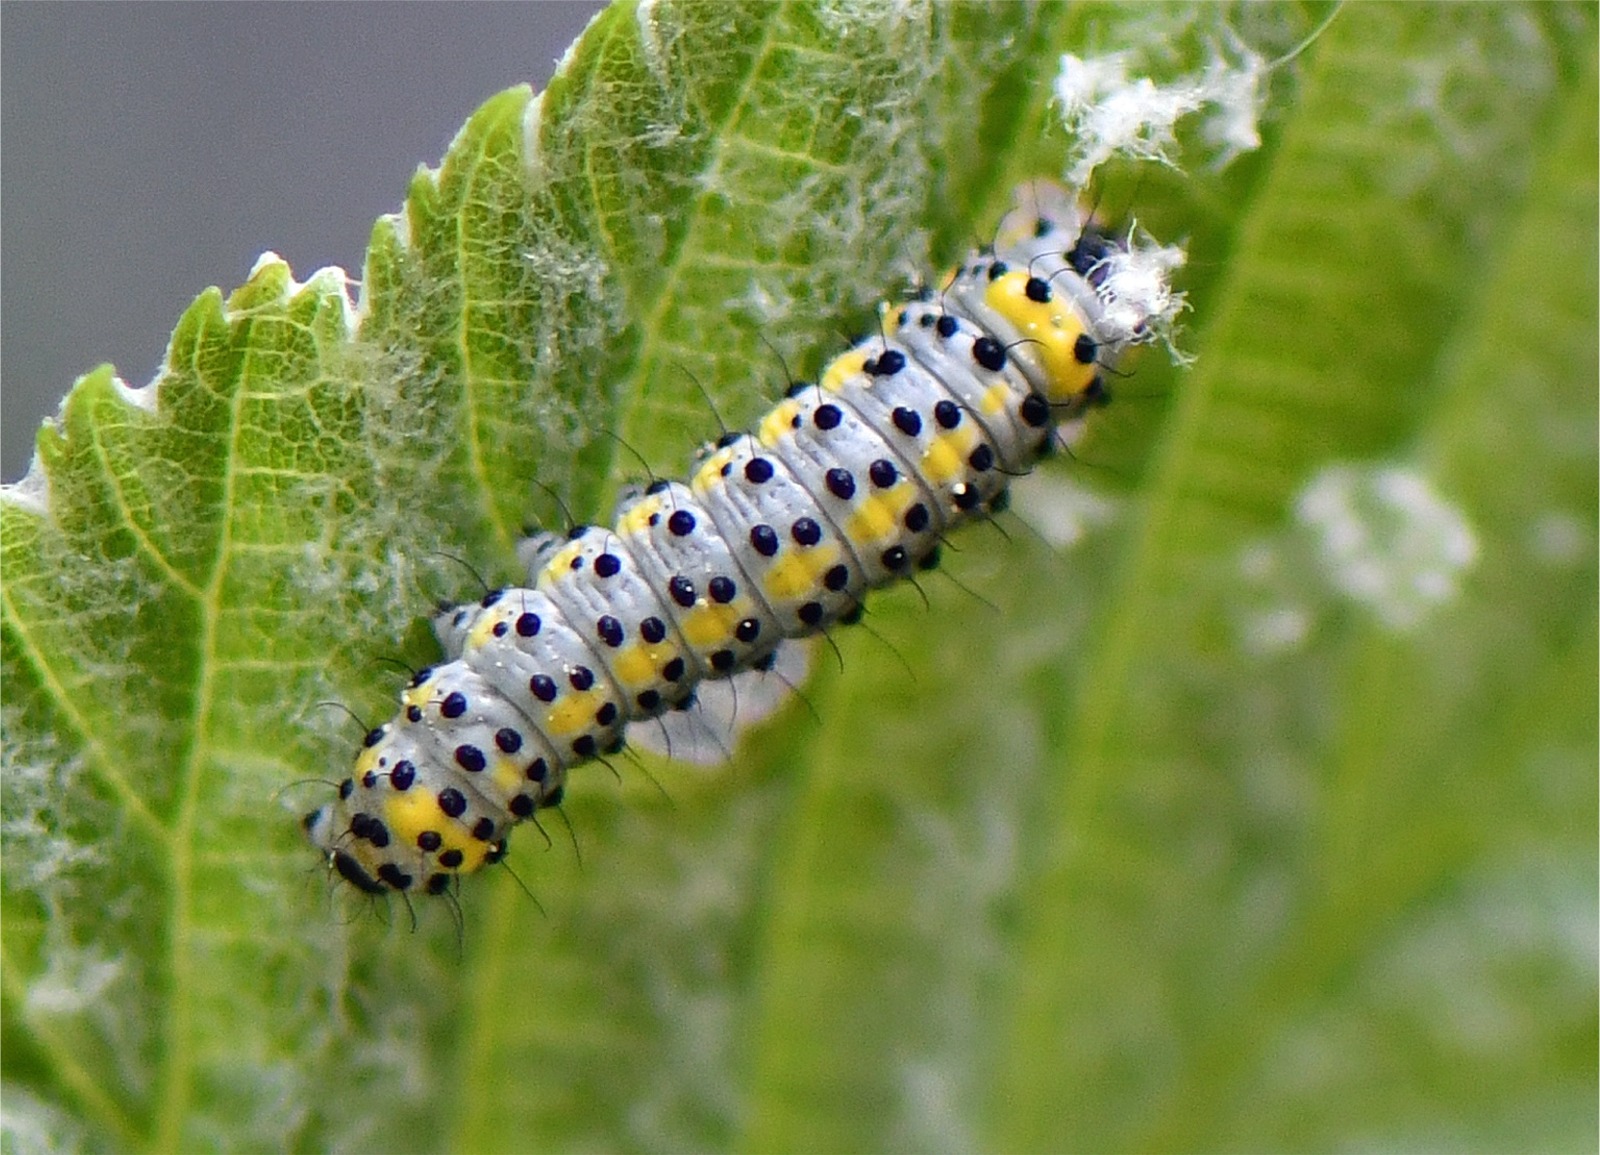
{"points": [[1075, 295]]}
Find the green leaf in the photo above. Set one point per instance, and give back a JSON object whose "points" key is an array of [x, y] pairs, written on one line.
{"points": [[1075, 863]]}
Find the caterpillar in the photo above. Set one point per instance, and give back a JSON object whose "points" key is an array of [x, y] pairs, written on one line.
{"points": [[847, 484]]}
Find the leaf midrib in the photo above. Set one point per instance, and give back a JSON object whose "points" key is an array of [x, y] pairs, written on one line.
{"points": [[179, 1053], [718, 132]]}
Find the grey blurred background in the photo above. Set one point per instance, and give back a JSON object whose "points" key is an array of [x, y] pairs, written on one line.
{"points": [[150, 150]]}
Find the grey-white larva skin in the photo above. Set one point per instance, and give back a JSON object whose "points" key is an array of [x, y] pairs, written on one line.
{"points": [[845, 485]]}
